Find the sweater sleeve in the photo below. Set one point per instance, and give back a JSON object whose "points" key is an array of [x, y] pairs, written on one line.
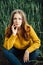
{"points": [[9, 42], [36, 41]]}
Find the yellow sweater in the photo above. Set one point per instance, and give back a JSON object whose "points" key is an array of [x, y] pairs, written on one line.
{"points": [[33, 43]]}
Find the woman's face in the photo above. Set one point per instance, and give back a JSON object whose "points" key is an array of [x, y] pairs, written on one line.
{"points": [[17, 19]]}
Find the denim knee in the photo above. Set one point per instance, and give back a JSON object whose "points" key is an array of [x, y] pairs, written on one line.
{"points": [[34, 55]]}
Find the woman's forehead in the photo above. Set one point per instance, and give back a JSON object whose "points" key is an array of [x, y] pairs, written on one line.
{"points": [[17, 14]]}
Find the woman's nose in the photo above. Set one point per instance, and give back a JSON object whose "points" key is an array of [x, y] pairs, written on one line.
{"points": [[17, 20]]}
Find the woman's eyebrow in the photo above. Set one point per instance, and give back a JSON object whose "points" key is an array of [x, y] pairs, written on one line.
{"points": [[14, 18]]}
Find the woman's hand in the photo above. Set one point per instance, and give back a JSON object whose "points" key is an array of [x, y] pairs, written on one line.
{"points": [[14, 30], [26, 56]]}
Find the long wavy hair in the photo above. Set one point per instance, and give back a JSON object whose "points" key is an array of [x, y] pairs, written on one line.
{"points": [[24, 28]]}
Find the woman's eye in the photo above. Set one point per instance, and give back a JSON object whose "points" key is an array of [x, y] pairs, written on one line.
{"points": [[20, 19], [14, 18], [17, 19]]}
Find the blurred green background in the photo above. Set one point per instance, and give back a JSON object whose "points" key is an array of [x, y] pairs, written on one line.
{"points": [[34, 14]]}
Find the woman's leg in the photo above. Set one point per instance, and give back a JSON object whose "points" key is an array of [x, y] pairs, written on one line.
{"points": [[33, 56], [11, 57]]}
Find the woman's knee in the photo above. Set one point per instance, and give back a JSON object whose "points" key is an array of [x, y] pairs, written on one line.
{"points": [[5, 51], [34, 54]]}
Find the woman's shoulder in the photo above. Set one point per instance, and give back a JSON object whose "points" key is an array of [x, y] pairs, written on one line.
{"points": [[29, 27]]}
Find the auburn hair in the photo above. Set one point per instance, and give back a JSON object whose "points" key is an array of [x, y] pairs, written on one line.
{"points": [[25, 28]]}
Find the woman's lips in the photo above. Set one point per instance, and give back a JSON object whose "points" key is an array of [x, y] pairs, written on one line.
{"points": [[16, 24]]}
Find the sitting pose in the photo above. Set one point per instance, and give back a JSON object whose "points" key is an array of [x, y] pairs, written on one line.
{"points": [[21, 42]]}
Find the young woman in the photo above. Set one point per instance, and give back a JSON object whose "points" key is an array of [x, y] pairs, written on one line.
{"points": [[21, 42]]}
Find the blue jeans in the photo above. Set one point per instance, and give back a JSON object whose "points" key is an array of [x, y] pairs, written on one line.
{"points": [[15, 56]]}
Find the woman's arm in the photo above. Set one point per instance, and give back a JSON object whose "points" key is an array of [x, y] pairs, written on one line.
{"points": [[36, 41], [8, 43]]}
